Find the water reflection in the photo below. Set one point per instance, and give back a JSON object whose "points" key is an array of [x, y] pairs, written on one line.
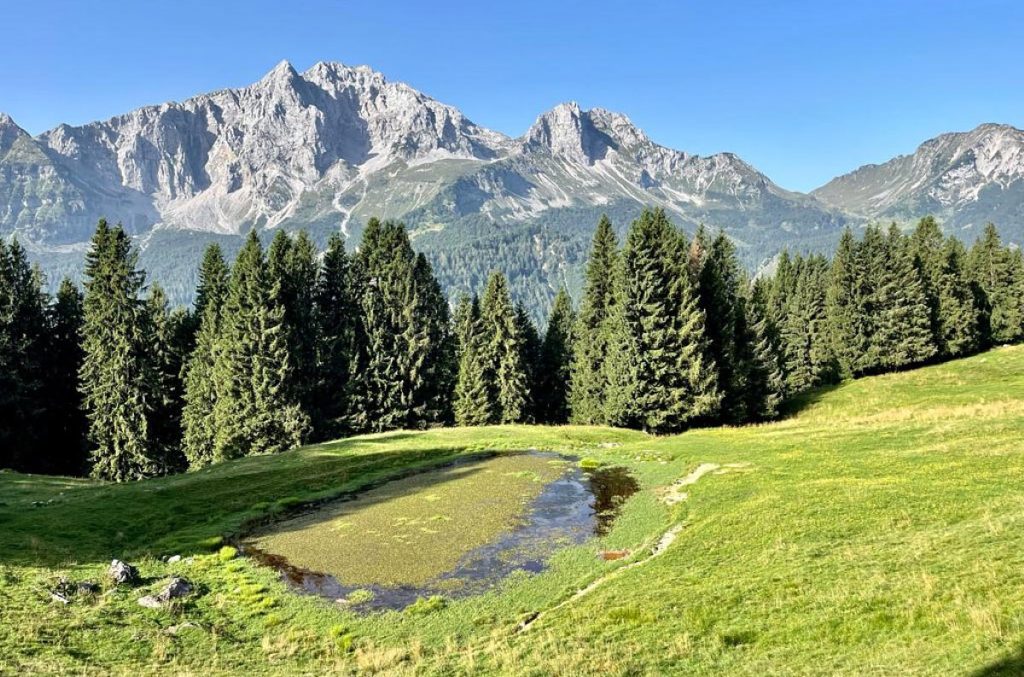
{"points": [[568, 511]]}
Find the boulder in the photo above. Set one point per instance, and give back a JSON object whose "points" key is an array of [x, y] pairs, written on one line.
{"points": [[123, 573], [178, 587]]}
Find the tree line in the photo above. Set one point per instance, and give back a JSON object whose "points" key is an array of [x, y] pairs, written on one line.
{"points": [[289, 345]]}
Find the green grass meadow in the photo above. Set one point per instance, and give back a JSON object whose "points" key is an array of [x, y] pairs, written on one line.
{"points": [[878, 530]]}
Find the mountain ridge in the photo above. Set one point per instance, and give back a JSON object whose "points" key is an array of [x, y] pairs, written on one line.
{"points": [[327, 148]]}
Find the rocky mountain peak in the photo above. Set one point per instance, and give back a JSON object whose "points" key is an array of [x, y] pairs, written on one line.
{"points": [[9, 132], [568, 132]]}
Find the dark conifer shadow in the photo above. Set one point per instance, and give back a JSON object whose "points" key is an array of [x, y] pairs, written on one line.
{"points": [[1009, 666]]}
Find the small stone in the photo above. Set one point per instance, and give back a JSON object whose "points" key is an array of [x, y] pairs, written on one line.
{"points": [[123, 573], [88, 588], [174, 559], [178, 587], [150, 602]]}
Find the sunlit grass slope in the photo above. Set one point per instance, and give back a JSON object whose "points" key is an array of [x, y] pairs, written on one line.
{"points": [[879, 530]]}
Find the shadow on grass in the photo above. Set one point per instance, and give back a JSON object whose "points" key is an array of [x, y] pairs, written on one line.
{"points": [[794, 405], [190, 513], [1012, 665]]}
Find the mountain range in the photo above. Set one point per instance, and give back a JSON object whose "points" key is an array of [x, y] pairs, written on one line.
{"points": [[330, 147]]}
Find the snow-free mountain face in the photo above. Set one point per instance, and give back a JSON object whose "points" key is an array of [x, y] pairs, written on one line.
{"points": [[965, 179], [329, 148]]}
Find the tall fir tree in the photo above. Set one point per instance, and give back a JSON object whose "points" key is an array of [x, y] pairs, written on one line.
{"points": [[339, 345], [665, 379], [903, 333], [959, 322], [504, 350], [805, 333], [849, 326], [721, 290], [587, 381], [403, 372], [292, 268], [254, 412], [199, 427], [926, 246], [474, 389], [436, 372], [65, 423], [118, 377], [992, 270], [766, 385], [22, 361], [552, 392]]}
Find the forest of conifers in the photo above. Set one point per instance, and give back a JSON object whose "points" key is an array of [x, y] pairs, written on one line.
{"points": [[291, 345]]}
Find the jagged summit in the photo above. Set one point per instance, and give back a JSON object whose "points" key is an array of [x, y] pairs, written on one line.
{"points": [[965, 178]]}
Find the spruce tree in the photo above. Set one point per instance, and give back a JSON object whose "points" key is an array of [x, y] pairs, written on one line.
{"points": [[960, 318], [588, 385], [504, 352], [721, 288], [552, 392], [23, 329], [766, 385], [118, 377], [292, 267], [848, 323], [474, 389], [926, 244], [164, 333], [65, 424], [199, 428], [407, 352], [436, 372], [991, 268], [665, 378], [254, 412], [805, 333], [340, 338], [903, 329]]}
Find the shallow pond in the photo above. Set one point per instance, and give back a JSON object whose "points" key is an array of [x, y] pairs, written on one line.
{"points": [[452, 531]]}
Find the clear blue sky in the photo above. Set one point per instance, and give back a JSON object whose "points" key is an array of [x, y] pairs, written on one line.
{"points": [[802, 90]]}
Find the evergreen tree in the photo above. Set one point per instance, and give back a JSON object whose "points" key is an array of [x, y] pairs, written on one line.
{"points": [[959, 321], [292, 266], [22, 356], [340, 334], [65, 423], [991, 268], [407, 345], [504, 351], [588, 385], [903, 329], [721, 288], [530, 347], [254, 412], [435, 373], [926, 246], [666, 379], [199, 428], [845, 298], [805, 333], [552, 393], [169, 334], [474, 388], [766, 388], [118, 377]]}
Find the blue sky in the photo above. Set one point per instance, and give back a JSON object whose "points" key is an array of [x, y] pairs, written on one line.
{"points": [[802, 90]]}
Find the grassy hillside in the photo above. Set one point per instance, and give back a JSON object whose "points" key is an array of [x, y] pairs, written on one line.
{"points": [[876, 531]]}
